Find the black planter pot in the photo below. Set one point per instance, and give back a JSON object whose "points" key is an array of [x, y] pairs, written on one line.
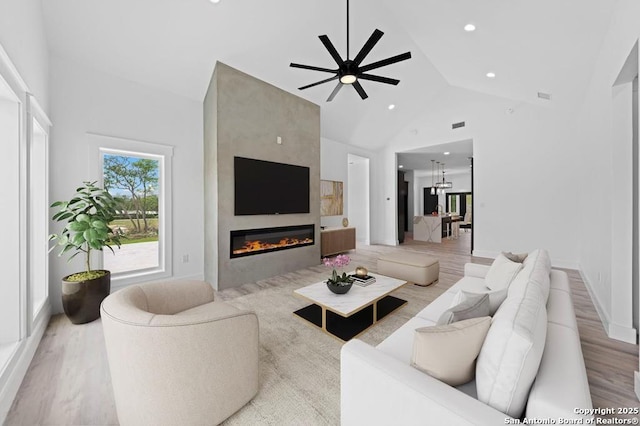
{"points": [[81, 300], [339, 289]]}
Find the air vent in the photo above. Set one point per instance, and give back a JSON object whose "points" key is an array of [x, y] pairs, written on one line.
{"points": [[545, 96], [457, 125]]}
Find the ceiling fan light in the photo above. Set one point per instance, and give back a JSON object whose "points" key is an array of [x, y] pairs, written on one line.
{"points": [[348, 79]]}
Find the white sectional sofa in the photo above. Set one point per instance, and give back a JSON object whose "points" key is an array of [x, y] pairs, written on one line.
{"points": [[380, 387]]}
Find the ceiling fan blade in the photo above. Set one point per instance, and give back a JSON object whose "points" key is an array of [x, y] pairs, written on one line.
{"points": [[332, 50], [388, 61], [319, 82], [375, 37], [311, 67], [335, 92], [379, 79], [360, 90]]}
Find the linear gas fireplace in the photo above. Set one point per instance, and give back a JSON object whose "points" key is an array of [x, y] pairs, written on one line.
{"points": [[248, 242]]}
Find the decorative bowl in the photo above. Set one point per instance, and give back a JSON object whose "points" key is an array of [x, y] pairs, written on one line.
{"points": [[339, 289]]}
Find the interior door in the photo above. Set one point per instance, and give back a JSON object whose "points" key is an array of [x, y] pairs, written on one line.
{"points": [[403, 193]]}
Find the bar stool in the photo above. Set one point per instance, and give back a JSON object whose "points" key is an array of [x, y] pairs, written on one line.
{"points": [[455, 229]]}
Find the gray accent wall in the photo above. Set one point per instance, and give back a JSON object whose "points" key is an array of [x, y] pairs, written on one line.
{"points": [[244, 116]]}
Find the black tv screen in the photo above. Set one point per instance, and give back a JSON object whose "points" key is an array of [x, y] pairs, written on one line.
{"points": [[265, 187]]}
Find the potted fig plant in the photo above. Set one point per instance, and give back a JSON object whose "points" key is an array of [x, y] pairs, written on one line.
{"points": [[87, 216]]}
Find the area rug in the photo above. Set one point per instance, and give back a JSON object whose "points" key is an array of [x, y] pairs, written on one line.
{"points": [[300, 364]]}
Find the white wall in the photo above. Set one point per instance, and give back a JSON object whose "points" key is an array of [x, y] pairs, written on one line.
{"points": [[411, 201], [334, 166], [88, 101], [525, 171], [600, 153], [22, 37], [358, 197]]}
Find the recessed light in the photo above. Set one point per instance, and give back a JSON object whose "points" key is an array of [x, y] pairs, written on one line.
{"points": [[491, 75], [469, 27], [400, 166], [214, 1], [392, 106], [447, 153]]}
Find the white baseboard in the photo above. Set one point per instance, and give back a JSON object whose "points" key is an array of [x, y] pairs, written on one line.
{"points": [[625, 334], [18, 366], [485, 253], [613, 331], [602, 313], [636, 383]]}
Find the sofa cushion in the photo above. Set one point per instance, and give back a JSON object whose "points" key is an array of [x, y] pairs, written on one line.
{"points": [[400, 343], [472, 284], [467, 307], [496, 297], [449, 352], [536, 269], [560, 309], [501, 273], [510, 356], [561, 383], [559, 280]]}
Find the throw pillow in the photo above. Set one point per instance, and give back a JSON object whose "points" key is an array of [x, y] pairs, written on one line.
{"points": [[501, 273], [449, 352], [473, 306], [496, 297], [519, 257]]}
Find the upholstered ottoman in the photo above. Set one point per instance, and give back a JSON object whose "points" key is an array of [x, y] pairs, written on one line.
{"points": [[411, 266]]}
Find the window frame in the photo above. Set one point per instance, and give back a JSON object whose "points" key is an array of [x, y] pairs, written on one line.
{"points": [[38, 122], [100, 145]]}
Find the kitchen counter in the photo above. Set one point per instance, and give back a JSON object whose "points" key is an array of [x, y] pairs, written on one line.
{"points": [[432, 228]]}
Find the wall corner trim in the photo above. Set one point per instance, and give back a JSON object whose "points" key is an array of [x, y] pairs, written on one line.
{"points": [[5, 60]]}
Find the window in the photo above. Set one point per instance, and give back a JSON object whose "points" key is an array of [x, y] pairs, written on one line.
{"points": [[138, 175], [133, 182], [38, 271]]}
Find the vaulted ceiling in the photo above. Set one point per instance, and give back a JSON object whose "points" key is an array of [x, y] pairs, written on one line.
{"points": [[173, 45]]}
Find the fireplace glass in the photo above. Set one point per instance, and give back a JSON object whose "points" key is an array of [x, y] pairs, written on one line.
{"points": [[248, 242]]}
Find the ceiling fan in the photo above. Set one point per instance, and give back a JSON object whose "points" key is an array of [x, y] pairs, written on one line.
{"points": [[350, 70]]}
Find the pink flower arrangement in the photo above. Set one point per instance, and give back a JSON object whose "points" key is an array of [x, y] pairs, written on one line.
{"points": [[340, 261]]}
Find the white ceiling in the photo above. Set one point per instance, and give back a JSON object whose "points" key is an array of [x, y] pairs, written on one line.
{"points": [[173, 45], [456, 162]]}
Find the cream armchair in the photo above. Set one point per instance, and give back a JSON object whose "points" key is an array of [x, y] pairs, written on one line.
{"points": [[176, 356]]}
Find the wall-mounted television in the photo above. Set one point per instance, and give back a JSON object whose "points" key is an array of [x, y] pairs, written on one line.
{"points": [[265, 187]]}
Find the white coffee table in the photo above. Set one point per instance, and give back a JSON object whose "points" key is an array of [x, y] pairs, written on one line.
{"points": [[347, 315]]}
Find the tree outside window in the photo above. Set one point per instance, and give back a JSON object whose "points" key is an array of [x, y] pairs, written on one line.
{"points": [[133, 182]]}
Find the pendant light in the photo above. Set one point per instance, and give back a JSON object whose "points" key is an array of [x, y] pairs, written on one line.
{"points": [[433, 187], [444, 185]]}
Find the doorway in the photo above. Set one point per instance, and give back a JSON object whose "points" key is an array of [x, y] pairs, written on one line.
{"points": [[425, 169], [358, 196]]}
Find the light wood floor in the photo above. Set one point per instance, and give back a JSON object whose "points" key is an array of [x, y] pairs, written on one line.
{"points": [[68, 381]]}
